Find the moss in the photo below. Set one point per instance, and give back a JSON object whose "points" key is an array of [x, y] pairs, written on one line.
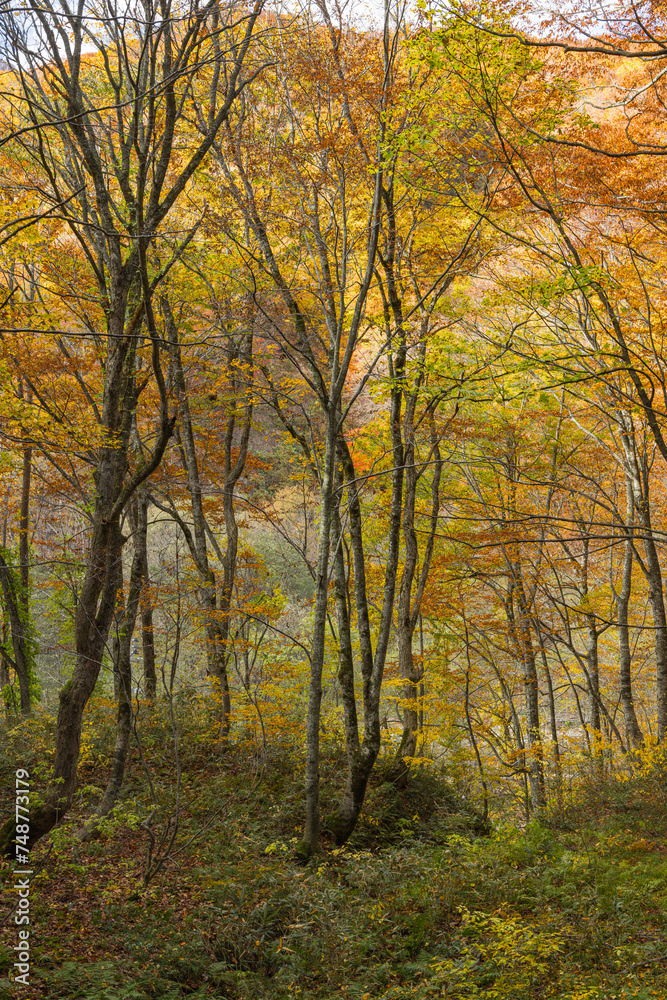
{"points": [[22, 600], [302, 853], [7, 838]]}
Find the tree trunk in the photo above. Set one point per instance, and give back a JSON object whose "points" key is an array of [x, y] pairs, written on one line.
{"points": [[637, 472], [97, 597], [15, 603], [633, 734], [217, 606], [473, 738], [196, 539], [124, 672], [24, 530], [536, 764], [93, 617], [554, 732], [140, 538], [519, 623], [593, 677], [11, 708], [363, 757], [406, 614], [233, 472], [553, 723], [119, 615], [148, 643], [656, 598], [345, 653], [311, 830], [408, 610], [593, 680]]}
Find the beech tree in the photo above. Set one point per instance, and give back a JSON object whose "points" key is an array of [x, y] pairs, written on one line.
{"points": [[211, 471], [95, 113], [321, 168], [594, 303], [342, 259]]}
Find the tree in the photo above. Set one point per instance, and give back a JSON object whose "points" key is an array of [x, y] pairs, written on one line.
{"points": [[97, 110], [340, 263], [324, 171], [203, 462], [593, 300]]}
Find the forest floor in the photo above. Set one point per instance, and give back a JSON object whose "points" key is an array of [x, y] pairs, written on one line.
{"points": [[419, 905]]}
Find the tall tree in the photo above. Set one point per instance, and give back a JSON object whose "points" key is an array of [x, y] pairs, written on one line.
{"points": [[98, 110], [212, 467]]}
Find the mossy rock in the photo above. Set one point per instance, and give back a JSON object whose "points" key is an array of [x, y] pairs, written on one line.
{"points": [[425, 807]]}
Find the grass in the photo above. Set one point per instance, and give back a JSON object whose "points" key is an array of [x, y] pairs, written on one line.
{"points": [[417, 906]]}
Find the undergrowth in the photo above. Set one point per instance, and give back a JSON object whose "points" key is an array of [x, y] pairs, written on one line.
{"points": [[425, 902]]}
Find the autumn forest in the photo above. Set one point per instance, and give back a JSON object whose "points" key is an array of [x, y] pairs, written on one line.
{"points": [[333, 472]]}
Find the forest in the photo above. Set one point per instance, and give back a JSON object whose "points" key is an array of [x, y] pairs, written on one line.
{"points": [[333, 417]]}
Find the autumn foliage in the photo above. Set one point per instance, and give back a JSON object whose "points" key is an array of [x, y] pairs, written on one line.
{"points": [[333, 407]]}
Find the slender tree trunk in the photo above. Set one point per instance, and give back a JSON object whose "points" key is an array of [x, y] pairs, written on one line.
{"points": [[473, 738], [592, 668], [15, 605], [516, 722], [4, 678], [127, 627], [518, 613], [558, 767], [536, 765], [140, 537], [593, 680], [409, 609], [553, 722], [656, 598], [311, 830], [637, 472], [24, 528], [148, 643], [91, 630], [196, 538], [593, 677], [361, 754], [119, 615], [233, 472], [633, 734], [519, 622], [344, 820], [345, 653], [406, 614], [217, 605], [16, 592], [176, 652]]}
